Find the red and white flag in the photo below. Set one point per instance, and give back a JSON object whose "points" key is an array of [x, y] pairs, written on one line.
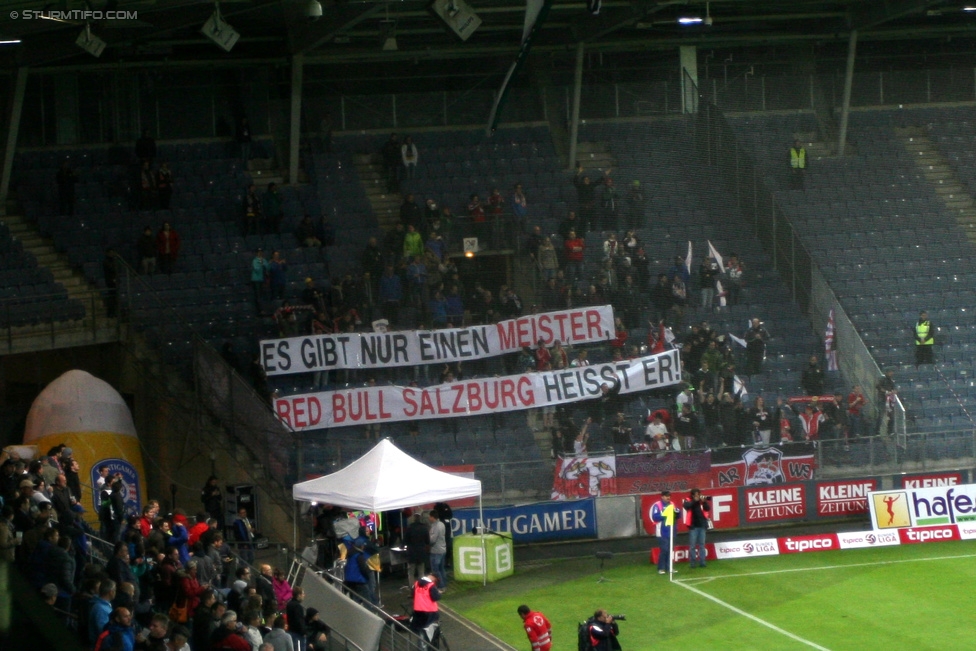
{"points": [[830, 343]]}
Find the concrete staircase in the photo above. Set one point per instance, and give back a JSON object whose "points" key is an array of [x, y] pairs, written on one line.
{"points": [[386, 205], [595, 156], [265, 171], [937, 170], [819, 149], [95, 328]]}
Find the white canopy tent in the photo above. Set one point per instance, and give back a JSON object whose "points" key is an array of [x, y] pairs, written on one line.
{"points": [[387, 478]]}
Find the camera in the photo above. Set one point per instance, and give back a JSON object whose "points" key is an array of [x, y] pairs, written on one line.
{"points": [[619, 618]]}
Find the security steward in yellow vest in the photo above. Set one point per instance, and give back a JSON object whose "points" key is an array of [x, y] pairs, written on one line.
{"points": [[798, 165], [924, 339]]}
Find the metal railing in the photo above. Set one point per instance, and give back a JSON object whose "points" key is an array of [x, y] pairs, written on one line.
{"points": [[217, 390], [734, 166], [56, 320], [396, 636]]}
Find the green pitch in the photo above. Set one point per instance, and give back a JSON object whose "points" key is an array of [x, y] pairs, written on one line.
{"points": [[906, 597]]}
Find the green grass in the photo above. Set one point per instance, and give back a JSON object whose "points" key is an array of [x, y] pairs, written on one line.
{"points": [[907, 597]]}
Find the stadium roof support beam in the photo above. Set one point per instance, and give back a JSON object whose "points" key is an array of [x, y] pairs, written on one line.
{"points": [[577, 92], [886, 11], [297, 70], [848, 85], [588, 29], [307, 37], [13, 129]]}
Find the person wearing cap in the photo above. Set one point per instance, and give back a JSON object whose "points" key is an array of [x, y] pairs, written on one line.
{"points": [[663, 513], [356, 576], [318, 632]]}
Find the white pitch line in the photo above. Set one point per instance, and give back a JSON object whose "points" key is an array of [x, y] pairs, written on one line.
{"points": [[762, 622], [833, 567], [739, 611]]}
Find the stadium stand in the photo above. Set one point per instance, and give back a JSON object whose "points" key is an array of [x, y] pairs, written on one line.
{"points": [[875, 224], [28, 293]]}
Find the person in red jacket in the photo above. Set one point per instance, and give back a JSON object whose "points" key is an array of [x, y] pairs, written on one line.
{"points": [[574, 247], [198, 529], [167, 248], [190, 588], [537, 627]]}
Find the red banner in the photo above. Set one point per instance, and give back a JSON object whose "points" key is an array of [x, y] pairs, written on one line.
{"points": [[913, 535], [844, 497], [932, 480], [815, 543], [775, 503], [724, 507], [777, 464]]}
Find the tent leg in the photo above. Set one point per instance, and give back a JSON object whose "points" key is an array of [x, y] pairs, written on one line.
{"points": [[484, 550]]}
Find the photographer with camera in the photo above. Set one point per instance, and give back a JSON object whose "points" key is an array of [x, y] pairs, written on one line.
{"points": [[602, 631], [695, 517]]}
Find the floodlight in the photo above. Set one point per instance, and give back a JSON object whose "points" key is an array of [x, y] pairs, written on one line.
{"points": [[90, 43], [220, 32]]}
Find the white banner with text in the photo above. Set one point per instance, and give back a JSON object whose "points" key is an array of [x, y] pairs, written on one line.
{"points": [[387, 404], [412, 347]]}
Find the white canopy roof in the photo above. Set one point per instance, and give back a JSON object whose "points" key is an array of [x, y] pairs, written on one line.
{"points": [[383, 479]]}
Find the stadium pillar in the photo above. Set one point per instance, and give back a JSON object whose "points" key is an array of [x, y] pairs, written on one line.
{"points": [[297, 67], [848, 83], [13, 129], [577, 90], [689, 78]]}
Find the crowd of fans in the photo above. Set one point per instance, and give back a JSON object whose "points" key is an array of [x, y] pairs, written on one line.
{"points": [[149, 581]]}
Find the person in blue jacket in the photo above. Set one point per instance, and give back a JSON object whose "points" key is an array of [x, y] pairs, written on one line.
{"points": [[664, 514]]}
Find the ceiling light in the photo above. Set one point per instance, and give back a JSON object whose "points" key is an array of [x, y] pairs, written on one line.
{"points": [[13, 41], [969, 8], [689, 20]]}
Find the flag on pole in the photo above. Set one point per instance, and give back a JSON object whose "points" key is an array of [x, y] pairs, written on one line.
{"points": [[830, 343], [713, 252], [721, 293], [739, 388], [738, 340], [688, 258]]}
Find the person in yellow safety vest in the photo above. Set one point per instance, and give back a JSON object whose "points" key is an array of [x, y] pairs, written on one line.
{"points": [[924, 339], [798, 165]]}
